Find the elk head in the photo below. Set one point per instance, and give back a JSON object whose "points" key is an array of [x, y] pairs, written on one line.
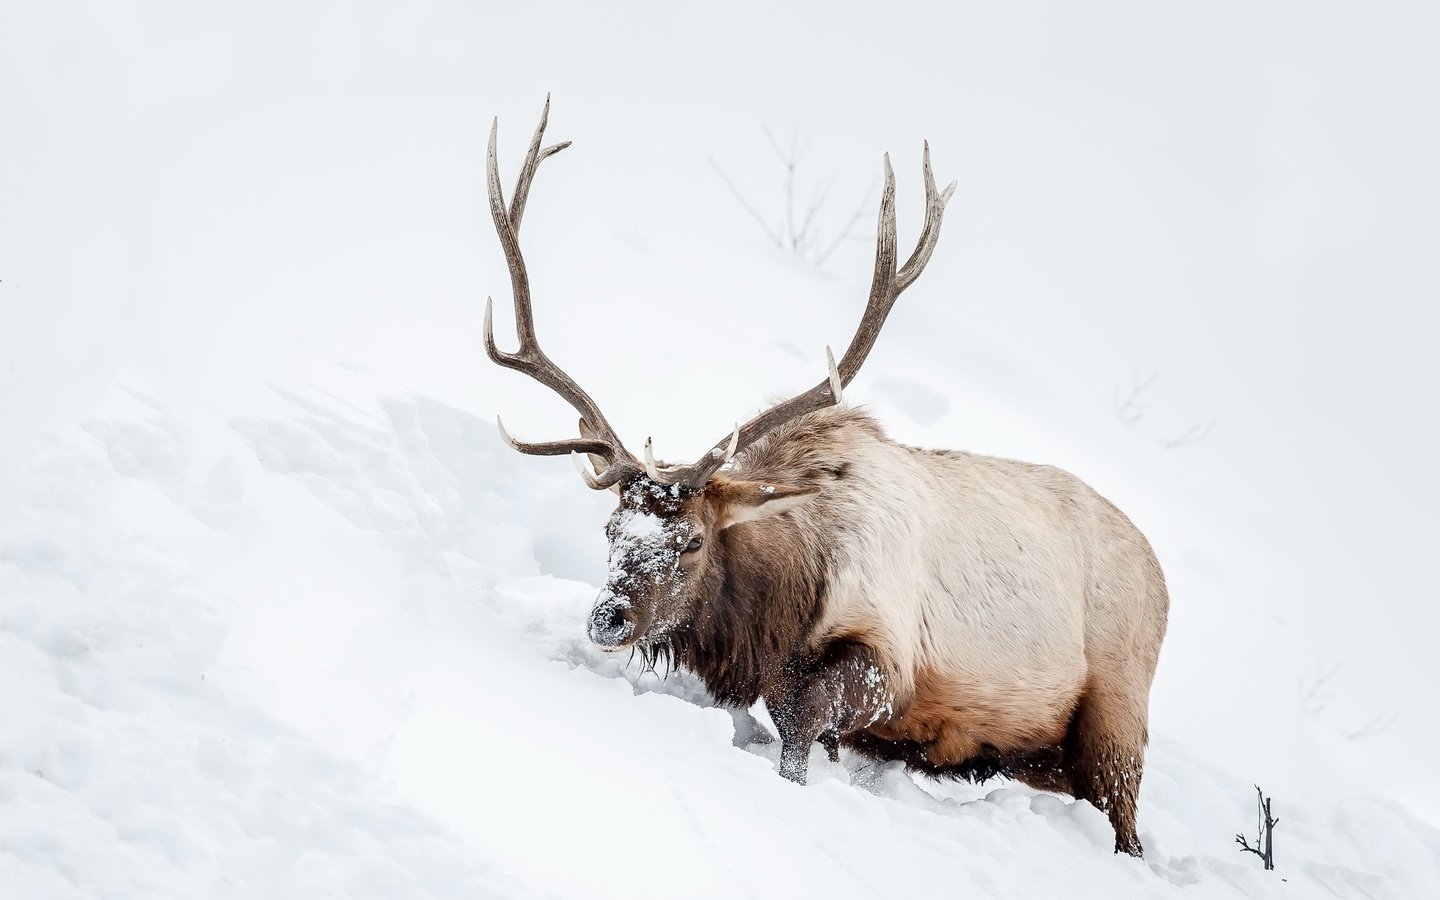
{"points": [[665, 555], [663, 561]]}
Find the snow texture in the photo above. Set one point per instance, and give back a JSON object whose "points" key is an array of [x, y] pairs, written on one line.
{"points": [[281, 616]]}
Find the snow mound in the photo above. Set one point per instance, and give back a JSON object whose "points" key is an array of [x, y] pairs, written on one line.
{"points": [[332, 664]]}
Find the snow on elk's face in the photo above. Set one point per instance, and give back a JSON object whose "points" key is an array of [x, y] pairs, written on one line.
{"points": [[662, 540], [657, 542]]}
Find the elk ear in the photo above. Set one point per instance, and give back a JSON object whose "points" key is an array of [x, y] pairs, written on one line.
{"points": [[750, 501], [596, 462]]}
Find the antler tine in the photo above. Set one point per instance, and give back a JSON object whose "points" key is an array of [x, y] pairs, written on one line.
{"points": [[930, 234], [533, 157], [837, 389], [886, 285], [651, 467], [529, 358], [882, 284], [600, 482], [730, 450], [510, 245], [553, 448]]}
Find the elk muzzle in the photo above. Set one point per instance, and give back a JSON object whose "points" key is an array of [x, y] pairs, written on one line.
{"points": [[612, 621]]}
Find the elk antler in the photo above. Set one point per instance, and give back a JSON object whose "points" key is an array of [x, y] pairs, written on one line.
{"points": [[621, 465], [885, 288]]}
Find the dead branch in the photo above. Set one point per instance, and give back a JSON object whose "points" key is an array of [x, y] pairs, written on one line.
{"points": [[1131, 407], [1378, 725], [848, 232], [1192, 435], [1264, 846], [754, 213], [796, 228], [1315, 698]]}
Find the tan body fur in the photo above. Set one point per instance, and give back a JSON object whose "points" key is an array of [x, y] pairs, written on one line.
{"points": [[1007, 602]]}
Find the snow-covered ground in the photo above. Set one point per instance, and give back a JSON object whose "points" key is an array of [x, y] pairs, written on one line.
{"points": [[281, 616]]}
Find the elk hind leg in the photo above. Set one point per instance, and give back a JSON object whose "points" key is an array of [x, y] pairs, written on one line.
{"points": [[1043, 770], [1105, 756]]}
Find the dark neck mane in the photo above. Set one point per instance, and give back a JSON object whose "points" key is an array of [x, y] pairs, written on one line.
{"points": [[758, 613], [768, 587]]}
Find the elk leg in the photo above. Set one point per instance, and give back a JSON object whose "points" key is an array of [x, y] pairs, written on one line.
{"points": [[1043, 770], [848, 690], [1105, 756]]}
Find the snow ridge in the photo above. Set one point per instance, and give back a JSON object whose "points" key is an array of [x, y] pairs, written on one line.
{"points": [[158, 747]]}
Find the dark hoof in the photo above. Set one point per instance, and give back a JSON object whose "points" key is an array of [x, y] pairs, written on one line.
{"points": [[1130, 847]]}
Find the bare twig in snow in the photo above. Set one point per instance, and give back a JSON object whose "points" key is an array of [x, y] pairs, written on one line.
{"points": [[1378, 725], [797, 227], [1316, 698], [1130, 407], [1192, 435], [790, 160], [754, 213], [1264, 846], [847, 233]]}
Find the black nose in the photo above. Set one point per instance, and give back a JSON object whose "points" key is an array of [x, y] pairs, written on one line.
{"points": [[610, 622]]}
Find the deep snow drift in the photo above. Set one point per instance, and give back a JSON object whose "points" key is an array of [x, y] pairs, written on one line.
{"points": [[329, 662], [281, 616]]}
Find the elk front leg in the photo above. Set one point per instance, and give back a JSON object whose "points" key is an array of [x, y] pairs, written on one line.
{"points": [[847, 691]]}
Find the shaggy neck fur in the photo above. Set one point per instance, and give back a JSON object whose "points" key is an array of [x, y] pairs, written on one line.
{"points": [[759, 608], [765, 591]]}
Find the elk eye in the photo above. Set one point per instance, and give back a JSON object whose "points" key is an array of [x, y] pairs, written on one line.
{"points": [[694, 544]]}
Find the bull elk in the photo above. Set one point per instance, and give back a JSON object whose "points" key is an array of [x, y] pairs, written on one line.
{"points": [[968, 615]]}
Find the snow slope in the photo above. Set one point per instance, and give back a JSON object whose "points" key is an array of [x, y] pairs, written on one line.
{"points": [[280, 616]]}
